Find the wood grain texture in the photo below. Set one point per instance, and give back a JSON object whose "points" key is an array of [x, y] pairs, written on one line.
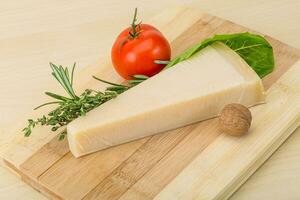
{"points": [[251, 21], [53, 151], [273, 177], [11, 187], [175, 161], [73, 178], [135, 167]]}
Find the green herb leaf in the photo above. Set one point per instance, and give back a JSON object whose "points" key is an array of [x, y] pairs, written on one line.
{"points": [[62, 135], [45, 104], [107, 82], [254, 49], [72, 73], [63, 77], [136, 81], [57, 96], [70, 108], [140, 77]]}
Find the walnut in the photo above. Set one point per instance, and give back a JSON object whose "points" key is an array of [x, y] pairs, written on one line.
{"points": [[235, 119]]}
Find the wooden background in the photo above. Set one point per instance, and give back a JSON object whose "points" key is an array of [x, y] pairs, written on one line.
{"points": [[24, 64]]}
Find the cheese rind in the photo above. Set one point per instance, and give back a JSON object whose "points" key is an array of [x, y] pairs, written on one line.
{"points": [[193, 90]]}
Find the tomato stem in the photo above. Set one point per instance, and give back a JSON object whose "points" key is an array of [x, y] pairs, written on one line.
{"points": [[135, 27]]}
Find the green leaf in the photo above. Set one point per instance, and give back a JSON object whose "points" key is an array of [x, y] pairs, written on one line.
{"points": [[56, 96], [254, 49], [67, 73], [116, 88], [107, 82], [45, 104], [140, 77], [63, 78], [55, 73], [161, 62], [72, 73], [27, 132], [62, 136], [66, 81], [135, 81]]}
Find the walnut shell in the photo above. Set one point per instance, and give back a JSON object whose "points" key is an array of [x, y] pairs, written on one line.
{"points": [[235, 119]]}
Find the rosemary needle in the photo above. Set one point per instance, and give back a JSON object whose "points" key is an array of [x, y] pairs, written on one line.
{"points": [[73, 106]]}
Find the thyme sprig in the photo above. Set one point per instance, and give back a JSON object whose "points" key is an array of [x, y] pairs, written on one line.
{"points": [[73, 106]]}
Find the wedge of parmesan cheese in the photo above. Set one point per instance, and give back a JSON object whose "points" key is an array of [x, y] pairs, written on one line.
{"points": [[193, 90]]}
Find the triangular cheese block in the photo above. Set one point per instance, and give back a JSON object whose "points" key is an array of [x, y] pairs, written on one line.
{"points": [[191, 91]]}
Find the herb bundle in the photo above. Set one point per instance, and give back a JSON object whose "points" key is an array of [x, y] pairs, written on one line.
{"points": [[73, 106]]}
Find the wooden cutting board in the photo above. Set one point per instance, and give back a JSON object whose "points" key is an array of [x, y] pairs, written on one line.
{"points": [[193, 162]]}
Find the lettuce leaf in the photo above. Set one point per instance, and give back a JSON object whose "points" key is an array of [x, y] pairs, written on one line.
{"points": [[254, 49]]}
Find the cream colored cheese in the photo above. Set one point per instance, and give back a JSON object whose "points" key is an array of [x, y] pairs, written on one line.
{"points": [[193, 90]]}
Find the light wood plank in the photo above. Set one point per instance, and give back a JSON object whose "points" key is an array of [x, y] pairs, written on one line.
{"points": [[273, 177], [44, 158], [175, 161], [11, 187], [130, 171], [72, 178]]}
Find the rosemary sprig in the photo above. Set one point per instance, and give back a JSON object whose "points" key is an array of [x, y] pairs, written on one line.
{"points": [[74, 106]]}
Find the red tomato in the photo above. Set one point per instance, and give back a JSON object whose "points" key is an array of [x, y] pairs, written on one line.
{"points": [[136, 55]]}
